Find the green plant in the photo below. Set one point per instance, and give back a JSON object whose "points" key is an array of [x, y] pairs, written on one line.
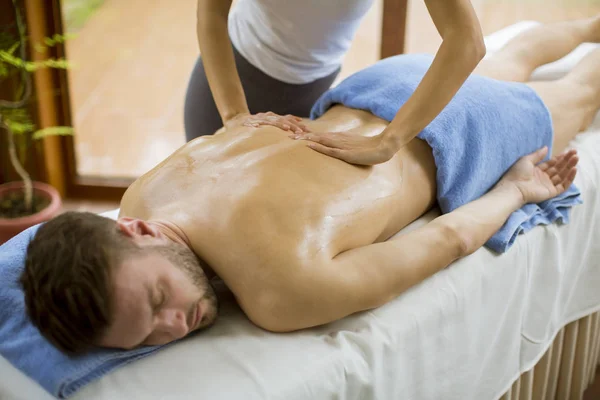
{"points": [[15, 118]]}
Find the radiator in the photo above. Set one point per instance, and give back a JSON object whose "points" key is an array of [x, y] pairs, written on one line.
{"points": [[567, 368]]}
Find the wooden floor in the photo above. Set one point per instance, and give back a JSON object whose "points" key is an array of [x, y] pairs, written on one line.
{"points": [[132, 60]]}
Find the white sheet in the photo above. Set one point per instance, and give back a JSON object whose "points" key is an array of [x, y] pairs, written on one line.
{"points": [[466, 333]]}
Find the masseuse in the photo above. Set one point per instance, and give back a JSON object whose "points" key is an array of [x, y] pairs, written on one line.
{"points": [[267, 62]]}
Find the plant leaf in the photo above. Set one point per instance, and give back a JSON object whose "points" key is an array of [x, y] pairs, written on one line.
{"points": [[53, 131], [10, 59], [19, 127], [13, 48], [31, 66], [50, 63], [18, 120], [56, 38]]}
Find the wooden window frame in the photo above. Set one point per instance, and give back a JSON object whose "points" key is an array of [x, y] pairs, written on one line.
{"points": [[57, 157]]}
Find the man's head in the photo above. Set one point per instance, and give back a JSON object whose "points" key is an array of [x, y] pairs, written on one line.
{"points": [[90, 281]]}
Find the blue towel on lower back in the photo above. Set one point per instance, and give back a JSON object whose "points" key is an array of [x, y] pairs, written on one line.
{"points": [[482, 132], [23, 346]]}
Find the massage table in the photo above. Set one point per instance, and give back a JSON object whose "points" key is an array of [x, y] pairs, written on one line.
{"points": [[521, 325]]}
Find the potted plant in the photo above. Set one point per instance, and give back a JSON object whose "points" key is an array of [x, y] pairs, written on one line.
{"points": [[23, 203]]}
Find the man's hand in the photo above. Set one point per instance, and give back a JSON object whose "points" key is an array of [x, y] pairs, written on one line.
{"points": [[540, 182], [352, 148], [286, 122]]}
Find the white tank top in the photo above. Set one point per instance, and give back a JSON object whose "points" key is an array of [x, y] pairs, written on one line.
{"points": [[295, 41]]}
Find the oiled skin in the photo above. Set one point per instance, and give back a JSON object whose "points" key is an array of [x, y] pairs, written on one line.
{"points": [[268, 214]]}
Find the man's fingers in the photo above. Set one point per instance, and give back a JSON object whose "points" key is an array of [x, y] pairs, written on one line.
{"points": [[564, 166], [569, 153], [566, 183], [552, 171], [561, 164], [556, 179], [570, 178], [547, 164], [569, 165], [563, 159], [538, 155]]}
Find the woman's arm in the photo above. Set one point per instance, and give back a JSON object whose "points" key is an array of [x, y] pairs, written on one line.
{"points": [[461, 50], [222, 74], [217, 57]]}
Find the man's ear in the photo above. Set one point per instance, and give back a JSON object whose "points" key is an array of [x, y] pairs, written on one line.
{"points": [[133, 227]]}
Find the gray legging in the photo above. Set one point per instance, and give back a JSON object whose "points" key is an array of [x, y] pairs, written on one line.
{"points": [[263, 93]]}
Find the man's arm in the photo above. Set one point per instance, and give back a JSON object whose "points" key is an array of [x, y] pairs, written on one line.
{"points": [[370, 276], [461, 50]]}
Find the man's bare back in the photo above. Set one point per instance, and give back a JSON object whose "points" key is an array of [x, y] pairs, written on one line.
{"points": [[265, 211], [297, 236]]}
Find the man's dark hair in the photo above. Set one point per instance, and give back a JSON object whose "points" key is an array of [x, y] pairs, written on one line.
{"points": [[67, 277]]}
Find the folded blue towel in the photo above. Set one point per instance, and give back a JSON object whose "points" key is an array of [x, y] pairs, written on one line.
{"points": [[23, 346], [481, 133]]}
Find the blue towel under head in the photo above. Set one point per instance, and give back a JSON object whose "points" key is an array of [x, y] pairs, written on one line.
{"points": [[23, 346], [483, 131]]}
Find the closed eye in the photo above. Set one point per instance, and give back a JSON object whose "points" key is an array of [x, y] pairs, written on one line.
{"points": [[161, 300]]}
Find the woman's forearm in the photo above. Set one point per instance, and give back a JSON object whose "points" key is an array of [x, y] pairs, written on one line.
{"points": [[450, 68], [461, 50], [217, 56]]}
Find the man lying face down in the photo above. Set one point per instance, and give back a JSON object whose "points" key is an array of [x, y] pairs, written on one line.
{"points": [[299, 237]]}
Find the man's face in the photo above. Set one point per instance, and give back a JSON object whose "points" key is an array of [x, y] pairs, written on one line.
{"points": [[158, 297]]}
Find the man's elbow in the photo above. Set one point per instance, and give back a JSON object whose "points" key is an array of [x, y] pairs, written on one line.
{"points": [[455, 240]]}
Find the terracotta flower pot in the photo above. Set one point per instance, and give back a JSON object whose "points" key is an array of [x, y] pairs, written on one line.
{"points": [[10, 227]]}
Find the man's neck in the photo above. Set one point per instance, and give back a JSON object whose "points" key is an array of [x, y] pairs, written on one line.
{"points": [[176, 234]]}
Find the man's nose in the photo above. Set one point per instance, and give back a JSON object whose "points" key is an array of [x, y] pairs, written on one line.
{"points": [[174, 322]]}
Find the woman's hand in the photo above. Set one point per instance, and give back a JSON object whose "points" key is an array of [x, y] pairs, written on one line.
{"points": [[285, 122], [352, 148], [540, 182]]}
